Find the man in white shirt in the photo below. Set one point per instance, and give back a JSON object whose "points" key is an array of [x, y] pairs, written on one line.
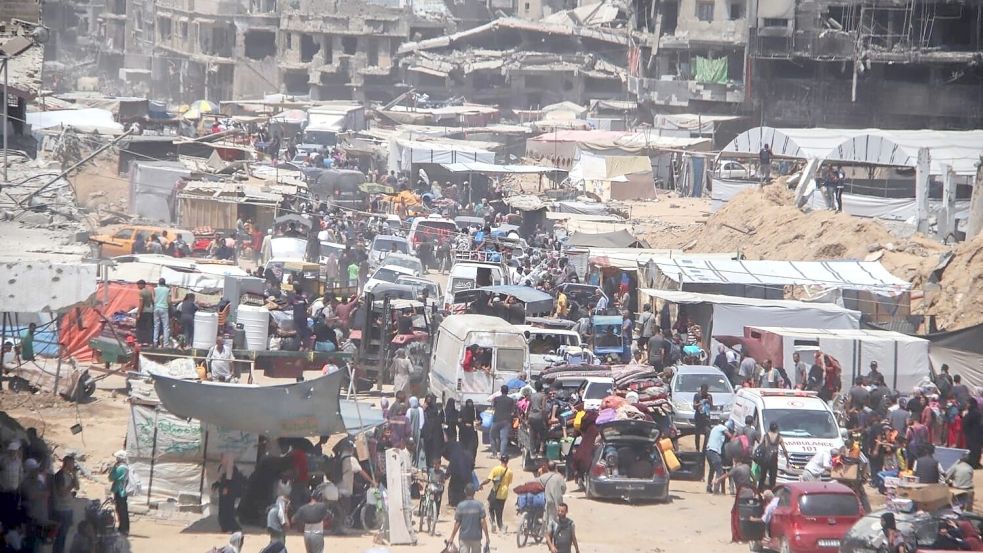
{"points": [[820, 463], [219, 361], [801, 371], [602, 302]]}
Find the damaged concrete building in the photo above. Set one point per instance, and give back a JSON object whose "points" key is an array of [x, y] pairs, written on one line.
{"points": [[521, 64], [868, 63], [225, 49]]}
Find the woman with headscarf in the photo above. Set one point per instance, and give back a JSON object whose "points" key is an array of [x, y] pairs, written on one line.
{"points": [[972, 422], [451, 418], [583, 456], [460, 468], [401, 369], [467, 435], [397, 419], [415, 420], [229, 485], [433, 433], [235, 543]]}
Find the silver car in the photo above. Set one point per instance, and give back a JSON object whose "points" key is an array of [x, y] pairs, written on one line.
{"points": [[686, 382]]}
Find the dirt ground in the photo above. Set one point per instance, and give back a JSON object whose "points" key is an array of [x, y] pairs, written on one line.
{"points": [[692, 521]]}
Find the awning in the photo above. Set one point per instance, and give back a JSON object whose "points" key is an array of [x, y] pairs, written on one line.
{"points": [[536, 301], [83, 120], [493, 169], [295, 410], [525, 202], [676, 296], [848, 275]]}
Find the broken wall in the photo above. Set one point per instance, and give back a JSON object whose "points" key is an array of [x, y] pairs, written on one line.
{"points": [[255, 78], [28, 10], [713, 20]]}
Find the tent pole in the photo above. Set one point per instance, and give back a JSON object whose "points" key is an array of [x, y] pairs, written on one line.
{"points": [[895, 383], [153, 455], [204, 460], [58, 341]]}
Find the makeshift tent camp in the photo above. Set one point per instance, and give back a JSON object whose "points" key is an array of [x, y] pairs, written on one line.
{"points": [[404, 153], [728, 315], [86, 323], [902, 359], [152, 189]]}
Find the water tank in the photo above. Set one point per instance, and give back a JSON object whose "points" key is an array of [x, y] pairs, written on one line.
{"points": [[206, 329], [256, 322]]}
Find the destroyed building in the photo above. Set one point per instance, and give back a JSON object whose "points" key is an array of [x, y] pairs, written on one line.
{"points": [[520, 64], [868, 63], [224, 49]]}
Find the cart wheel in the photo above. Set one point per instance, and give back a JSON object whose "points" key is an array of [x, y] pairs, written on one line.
{"points": [[522, 534]]}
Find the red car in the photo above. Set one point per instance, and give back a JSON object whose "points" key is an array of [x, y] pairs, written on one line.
{"points": [[811, 517]]}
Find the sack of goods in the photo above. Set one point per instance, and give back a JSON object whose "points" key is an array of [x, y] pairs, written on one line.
{"points": [[531, 501]]}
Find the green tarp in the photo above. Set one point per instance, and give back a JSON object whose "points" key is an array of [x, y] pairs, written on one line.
{"points": [[711, 70]]}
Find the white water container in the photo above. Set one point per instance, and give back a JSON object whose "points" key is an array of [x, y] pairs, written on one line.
{"points": [[255, 320], [206, 329]]}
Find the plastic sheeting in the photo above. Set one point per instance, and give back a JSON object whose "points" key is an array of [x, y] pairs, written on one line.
{"points": [[962, 350], [84, 120], [299, 409], [404, 153], [710, 70], [82, 324], [152, 188], [898, 148], [46, 286], [847, 275], [902, 359], [730, 314]]}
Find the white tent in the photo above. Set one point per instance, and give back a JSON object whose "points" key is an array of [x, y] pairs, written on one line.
{"points": [[404, 153], [902, 359], [83, 120], [728, 315], [895, 148]]}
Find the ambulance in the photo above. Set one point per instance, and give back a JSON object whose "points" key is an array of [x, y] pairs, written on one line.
{"points": [[805, 422]]}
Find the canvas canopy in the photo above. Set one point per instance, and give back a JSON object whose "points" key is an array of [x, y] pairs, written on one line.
{"points": [[850, 275], [84, 120], [728, 315], [404, 153], [493, 169], [896, 148], [617, 239]]}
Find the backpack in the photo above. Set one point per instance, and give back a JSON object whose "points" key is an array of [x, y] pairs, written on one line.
{"points": [[337, 469]]}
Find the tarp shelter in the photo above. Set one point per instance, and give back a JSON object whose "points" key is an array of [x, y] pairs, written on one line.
{"points": [[962, 350], [536, 301], [152, 189], [614, 177], [728, 315], [84, 323], [564, 144], [583, 208], [177, 272], [91, 120], [404, 153], [618, 239], [298, 409], [178, 458], [902, 359]]}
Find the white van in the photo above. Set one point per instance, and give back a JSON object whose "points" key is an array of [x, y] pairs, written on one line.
{"points": [[805, 421], [432, 228], [468, 275], [544, 344], [504, 350]]}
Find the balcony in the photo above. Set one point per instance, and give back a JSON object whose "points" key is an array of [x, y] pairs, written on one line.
{"points": [[681, 93]]}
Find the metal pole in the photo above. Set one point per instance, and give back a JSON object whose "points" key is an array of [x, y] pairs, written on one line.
{"points": [[6, 73]]}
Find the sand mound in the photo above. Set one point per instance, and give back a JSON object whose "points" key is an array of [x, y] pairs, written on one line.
{"points": [[764, 224]]}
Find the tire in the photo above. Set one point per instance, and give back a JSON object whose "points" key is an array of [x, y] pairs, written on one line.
{"points": [[432, 518], [370, 518], [422, 511], [540, 534], [522, 534]]}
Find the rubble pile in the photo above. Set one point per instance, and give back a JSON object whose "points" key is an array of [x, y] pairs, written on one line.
{"points": [[765, 224]]}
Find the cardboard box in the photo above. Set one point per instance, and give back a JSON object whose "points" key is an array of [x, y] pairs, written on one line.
{"points": [[845, 472], [928, 497]]}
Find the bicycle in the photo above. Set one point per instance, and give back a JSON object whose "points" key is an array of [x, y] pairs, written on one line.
{"points": [[430, 505], [371, 511], [532, 523]]}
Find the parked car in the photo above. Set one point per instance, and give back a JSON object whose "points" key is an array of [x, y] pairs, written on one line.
{"points": [[593, 390], [386, 273], [383, 245], [686, 381], [811, 517], [920, 530], [628, 464], [120, 241], [733, 170], [406, 261]]}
